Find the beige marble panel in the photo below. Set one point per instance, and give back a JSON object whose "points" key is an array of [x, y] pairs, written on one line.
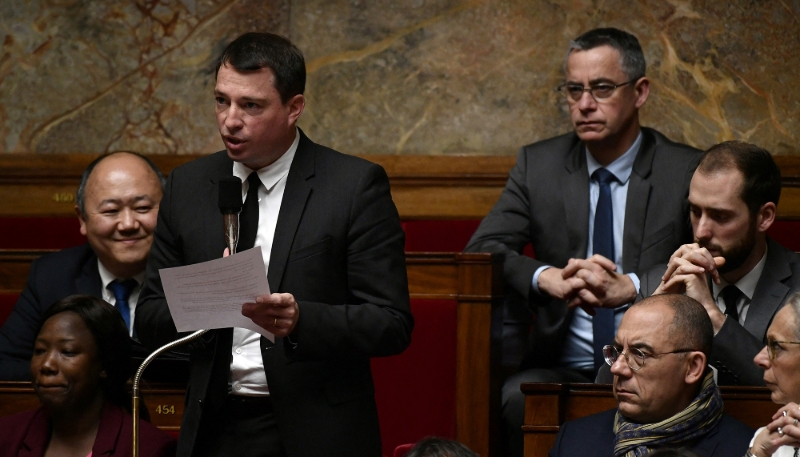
{"points": [[388, 76], [95, 76], [477, 77]]}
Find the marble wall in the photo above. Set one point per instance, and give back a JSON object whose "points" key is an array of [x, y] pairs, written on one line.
{"points": [[389, 76]]}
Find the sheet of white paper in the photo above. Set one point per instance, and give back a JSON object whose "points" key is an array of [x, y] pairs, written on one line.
{"points": [[211, 294]]}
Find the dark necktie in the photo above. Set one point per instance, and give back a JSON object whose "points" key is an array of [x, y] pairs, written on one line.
{"points": [[603, 244], [731, 294], [122, 292], [248, 219]]}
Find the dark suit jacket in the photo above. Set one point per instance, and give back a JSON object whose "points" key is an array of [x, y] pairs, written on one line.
{"points": [[27, 434], [593, 436], [735, 345], [52, 277], [338, 248], [546, 203]]}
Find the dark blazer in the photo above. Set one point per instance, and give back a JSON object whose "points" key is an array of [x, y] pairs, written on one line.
{"points": [[27, 434], [52, 277], [546, 203], [736, 345], [338, 248], [593, 436]]}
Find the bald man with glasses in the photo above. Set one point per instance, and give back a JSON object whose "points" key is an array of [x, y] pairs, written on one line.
{"points": [[600, 206], [665, 392]]}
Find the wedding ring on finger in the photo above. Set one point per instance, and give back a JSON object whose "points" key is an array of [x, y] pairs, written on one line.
{"points": [[275, 324], [780, 432], [795, 423]]}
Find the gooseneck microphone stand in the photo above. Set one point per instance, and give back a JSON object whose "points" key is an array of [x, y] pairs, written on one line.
{"points": [[230, 205]]}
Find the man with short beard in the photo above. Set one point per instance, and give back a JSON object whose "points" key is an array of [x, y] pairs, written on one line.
{"points": [[741, 276]]}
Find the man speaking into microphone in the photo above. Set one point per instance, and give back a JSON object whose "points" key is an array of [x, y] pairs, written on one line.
{"points": [[333, 247]]}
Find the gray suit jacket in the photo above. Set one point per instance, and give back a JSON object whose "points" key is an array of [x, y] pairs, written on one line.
{"points": [[546, 203], [735, 345]]}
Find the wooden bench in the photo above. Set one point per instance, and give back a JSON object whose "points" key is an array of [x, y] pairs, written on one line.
{"points": [[547, 406]]}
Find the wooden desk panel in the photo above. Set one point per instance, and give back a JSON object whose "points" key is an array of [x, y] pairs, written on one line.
{"points": [[164, 403]]}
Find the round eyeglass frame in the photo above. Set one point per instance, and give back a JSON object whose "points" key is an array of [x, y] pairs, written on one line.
{"points": [[771, 343], [609, 350]]}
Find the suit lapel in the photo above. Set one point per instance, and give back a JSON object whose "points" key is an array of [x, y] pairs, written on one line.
{"points": [[292, 206], [770, 291], [576, 201], [88, 281], [636, 204]]}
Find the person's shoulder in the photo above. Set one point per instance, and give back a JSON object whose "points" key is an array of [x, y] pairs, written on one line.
{"points": [[728, 422], [733, 436], [63, 259], [664, 144], [203, 165], [324, 155], [561, 143], [589, 436], [15, 428]]}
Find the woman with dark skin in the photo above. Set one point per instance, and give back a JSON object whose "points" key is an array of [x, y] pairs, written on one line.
{"points": [[79, 369]]}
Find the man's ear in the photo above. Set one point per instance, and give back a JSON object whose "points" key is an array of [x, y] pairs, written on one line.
{"points": [[642, 89], [295, 106], [765, 216], [695, 367], [81, 220]]}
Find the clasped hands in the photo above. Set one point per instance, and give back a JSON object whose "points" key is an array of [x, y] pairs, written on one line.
{"points": [[277, 313], [686, 273], [782, 431], [588, 283]]}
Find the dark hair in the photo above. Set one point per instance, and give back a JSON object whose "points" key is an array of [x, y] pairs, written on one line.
{"points": [[630, 51], [762, 177], [254, 51], [433, 446], [691, 327], [80, 198], [112, 340]]}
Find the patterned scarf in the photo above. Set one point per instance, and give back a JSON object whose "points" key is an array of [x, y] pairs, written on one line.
{"points": [[636, 440]]}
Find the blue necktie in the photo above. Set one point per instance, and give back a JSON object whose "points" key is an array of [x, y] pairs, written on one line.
{"points": [[603, 244], [122, 292]]}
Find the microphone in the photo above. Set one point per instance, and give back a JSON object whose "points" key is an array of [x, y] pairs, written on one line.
{"points": [[230, 205]]}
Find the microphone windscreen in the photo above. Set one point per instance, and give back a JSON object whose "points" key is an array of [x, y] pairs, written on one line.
{"points": [[230, 195]]}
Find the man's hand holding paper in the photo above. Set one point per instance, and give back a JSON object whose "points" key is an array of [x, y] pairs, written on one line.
{"points": [[213, 294]]}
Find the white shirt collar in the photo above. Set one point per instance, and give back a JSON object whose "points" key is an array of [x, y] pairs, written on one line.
{"points": [[106, 277], [747, 284], [621, 167], [272, 173]]}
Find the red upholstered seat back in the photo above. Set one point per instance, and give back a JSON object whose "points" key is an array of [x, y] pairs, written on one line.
{"points": [[415, 390], [40, 232], [7, 302]]}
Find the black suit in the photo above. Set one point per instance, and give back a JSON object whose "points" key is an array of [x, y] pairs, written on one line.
{"points": [[546, 203], [52, 277], [593, 436], [735, 345], [338, 248]]}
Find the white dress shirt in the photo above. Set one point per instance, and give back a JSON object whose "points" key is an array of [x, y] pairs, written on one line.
{"points": [[106, 278], [247, 365]]}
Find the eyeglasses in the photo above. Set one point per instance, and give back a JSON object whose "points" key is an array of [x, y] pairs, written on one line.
{"points": [[773, 346], [600, 91], [633, 356]]}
